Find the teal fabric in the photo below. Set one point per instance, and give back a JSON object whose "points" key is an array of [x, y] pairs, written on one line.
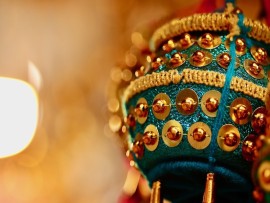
{"points": [[182, 169]]}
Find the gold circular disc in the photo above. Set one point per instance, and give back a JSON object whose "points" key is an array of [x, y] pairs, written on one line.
{"points": [[199, 144], [152, 128], [142, 120], [223, 131], [216, 41], [191, 96], [167, 108], [258, 120], [254, 53], [239, 53], [259, 74], [225, 66], [167, 126], [263, 175], [240, 110], [206, 61], [210, 94], [186, 40]]}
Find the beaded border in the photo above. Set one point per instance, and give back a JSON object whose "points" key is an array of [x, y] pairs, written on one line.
{"points": [[210, 78], [211, 21]]}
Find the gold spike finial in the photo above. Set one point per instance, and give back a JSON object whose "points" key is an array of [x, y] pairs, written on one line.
{"points": [[208, 196], [155, 194]]}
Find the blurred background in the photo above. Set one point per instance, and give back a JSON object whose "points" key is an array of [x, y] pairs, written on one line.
{"points": [[66, 49]]}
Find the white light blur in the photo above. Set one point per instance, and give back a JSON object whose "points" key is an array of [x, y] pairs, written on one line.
{"points": [[34, 75], [18, 115]]}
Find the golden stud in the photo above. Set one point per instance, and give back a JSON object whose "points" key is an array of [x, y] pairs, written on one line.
{"points": [[209, 41], [240, 46], [131, 120], [161, 106], [200, 58], [187, 101], [156, 63], [138, 147], [141, 110], [264, 175], [210, 102], [172, 133], [224, 60], [254, 69], [240, 110], [260, 55], [199, 135], [167, 47], [151, 137], [186, 41], [177, 59], [228, 138], [258, 120], [249, 149]]}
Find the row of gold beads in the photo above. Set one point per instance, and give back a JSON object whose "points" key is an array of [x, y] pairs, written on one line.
{"points": [[187, 102], [199, 137]]}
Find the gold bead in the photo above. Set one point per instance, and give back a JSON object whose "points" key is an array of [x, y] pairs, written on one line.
{"points": [[156, 63], [199, 135], [131, 121], [138, 148], [167, 47], [200, 58], [161, 106], [228, 138], [209, 41], [258, 120], [224, 60], [240, 45], [172, 133], [212, 104], [240, 110], [187, 101], [151, 137], [263, 174], [249, 149], [141, 110], [177, 60], [186, 41]]}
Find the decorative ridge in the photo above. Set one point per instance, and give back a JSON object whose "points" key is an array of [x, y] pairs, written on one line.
{"points": [[210, 78], [210, 21]]}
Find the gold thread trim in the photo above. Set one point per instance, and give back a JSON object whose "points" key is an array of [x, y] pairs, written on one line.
{"points": [[211, 21], [210, 78]]}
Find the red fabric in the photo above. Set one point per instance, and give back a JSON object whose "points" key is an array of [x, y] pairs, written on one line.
{"points": [[267, 11], [207, 6]]}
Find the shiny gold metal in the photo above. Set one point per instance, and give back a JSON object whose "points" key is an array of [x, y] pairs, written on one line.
{"points": [[156, 193], [131, 120], [258, 120], [228, 138], [209, 41], [240, 110], [141, 110], [177, 59], [209, 102], [249, 148], [254, 69], [260, 55], [151, 137], [172, 133], [209, 191], [199, 135], [161, 106], [167, 47], [186, 41], [264, 175], [138, 146], [140, 71], [240, 46], [224, 60], [200, 58], [187, 101], [156, 63]]}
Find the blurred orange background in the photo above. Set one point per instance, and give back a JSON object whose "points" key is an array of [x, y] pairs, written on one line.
{"points": [[74, 44]]}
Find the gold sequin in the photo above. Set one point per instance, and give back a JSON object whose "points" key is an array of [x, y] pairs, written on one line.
{"points": [[260, 55], [172, 133], [209, 41], [228, 138], [254, 69], [199, 135], [249, 148], [177, 59], [151, 137], [167, 47], [186, 40], [224, 60], [264, 175], [210, 102], [161, 106], [258, 120], [240, 46], [187, 101], [240, 110], [141, 110], [200, 58]]}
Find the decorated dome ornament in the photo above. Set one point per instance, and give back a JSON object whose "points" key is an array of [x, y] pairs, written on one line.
{"points": [[195, 114]]}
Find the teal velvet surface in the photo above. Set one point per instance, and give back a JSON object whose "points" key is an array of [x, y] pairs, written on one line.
{"points": [[182, 169]]}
